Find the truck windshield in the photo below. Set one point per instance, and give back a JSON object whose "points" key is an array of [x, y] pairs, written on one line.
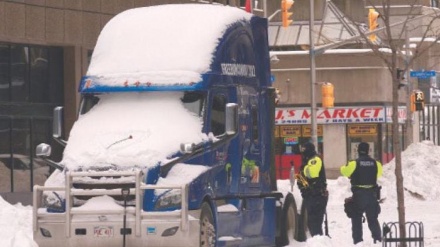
{"points": [[193, 101], [133, 129]]}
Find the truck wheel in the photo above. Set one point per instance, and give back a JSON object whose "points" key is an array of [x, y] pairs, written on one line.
{"points": [[289, 222], [207, 229]]}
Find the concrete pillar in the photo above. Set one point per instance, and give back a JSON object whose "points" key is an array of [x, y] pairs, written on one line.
{"points": [[335, 149]]}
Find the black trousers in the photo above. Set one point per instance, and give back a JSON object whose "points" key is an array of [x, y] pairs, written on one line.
{"points": [[316, 207], [365, 201]]}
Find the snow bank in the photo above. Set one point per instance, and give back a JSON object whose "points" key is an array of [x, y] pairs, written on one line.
{"points": [[421, 172], [15, 225]]}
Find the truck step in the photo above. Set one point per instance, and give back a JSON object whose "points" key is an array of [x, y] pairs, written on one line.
{"points": [[228, 222], [228, 241]]}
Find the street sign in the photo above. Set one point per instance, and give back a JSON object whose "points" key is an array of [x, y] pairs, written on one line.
{"points": [[422, 73]]}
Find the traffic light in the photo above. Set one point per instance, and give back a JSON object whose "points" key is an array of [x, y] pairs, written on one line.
{"points": [[372, 20], [285, 13], [417, 101], [328, 99]]}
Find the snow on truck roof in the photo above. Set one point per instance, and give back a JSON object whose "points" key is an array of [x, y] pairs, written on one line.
{"points": [[164, 44]]}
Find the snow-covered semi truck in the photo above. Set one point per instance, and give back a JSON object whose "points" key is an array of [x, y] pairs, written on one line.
{"points": [[173, 145]]}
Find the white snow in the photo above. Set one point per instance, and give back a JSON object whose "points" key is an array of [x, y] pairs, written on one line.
{"points": [[182, 174], [147, 45], [150, 127], [421, 163], [102, 202]]}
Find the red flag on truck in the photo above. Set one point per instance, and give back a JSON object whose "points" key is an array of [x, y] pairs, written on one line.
{"points": [[247, 6]]}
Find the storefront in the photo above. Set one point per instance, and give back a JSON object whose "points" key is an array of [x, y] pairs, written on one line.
{"points": [[339, 132]]}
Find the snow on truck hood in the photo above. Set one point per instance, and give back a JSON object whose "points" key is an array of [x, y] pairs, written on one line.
{"points": [[149, 44], [131, 129]]}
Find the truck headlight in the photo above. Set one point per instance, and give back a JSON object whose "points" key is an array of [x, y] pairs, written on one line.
{"points": [[168, 200]]}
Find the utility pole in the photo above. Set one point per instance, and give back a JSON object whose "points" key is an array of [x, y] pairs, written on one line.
{"points": [[409, 114], [312, 75]]}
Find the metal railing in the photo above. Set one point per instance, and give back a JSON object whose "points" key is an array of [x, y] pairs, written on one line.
{"points": [[392, 236]]}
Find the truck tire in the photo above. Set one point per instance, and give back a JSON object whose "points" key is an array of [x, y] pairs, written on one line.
{"points": [[208, 233], [289, 222]]}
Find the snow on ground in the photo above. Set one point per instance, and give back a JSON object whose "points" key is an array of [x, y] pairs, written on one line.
{"points": [[421, 172], [421, 169]]}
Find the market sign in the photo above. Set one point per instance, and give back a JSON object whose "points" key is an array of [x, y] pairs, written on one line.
{"points": [[290, 140], [290, 131], [361, 114], [362, 130]]}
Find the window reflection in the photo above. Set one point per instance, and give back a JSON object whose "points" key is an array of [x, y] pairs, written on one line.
{"points": [[5, 172], [19, 73], [39, 75], [31, 85], [218, 115], [4, 73]]}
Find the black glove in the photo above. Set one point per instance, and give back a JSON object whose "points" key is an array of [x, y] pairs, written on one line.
{"points": [[349, 207], [305, 192]]}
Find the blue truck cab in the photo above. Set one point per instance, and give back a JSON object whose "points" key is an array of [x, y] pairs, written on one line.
{"points": [[173, 145]]}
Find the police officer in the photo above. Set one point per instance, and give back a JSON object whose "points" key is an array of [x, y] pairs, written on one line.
{"points": [[363, 173], [312, 183]]}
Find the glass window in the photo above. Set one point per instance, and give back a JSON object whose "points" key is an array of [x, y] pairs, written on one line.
{"points": [[387, 143], [358, 133], [218, 115], [19, 73], [87, 103], [193, 101], [39, 75], [4, 72], [31, 84], [41, 132], [255, 133], [5, 155], [20, 155], [56, 76]]}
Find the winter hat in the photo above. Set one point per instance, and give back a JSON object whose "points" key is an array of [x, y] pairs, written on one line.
{"points": [[363, 148], [309, 149]]}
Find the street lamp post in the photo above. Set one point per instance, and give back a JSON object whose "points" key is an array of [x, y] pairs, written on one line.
{"points": [[312, 75]]}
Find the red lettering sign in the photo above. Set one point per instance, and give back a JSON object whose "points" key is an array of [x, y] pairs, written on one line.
{"points": [[375, 114]]}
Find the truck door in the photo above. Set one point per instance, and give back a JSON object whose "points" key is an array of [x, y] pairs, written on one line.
{"points": [[250, 170], [252, 205], [218, 156]]}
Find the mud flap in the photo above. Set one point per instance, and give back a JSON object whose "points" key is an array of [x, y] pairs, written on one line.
{"points": [[287, 227]]}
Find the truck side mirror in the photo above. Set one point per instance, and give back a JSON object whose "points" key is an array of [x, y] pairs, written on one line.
{"points": [[231, 118], [43, 150], [57, 128]]}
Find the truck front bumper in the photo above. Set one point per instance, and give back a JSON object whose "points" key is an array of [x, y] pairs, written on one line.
{"points": [[107, 231]]}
